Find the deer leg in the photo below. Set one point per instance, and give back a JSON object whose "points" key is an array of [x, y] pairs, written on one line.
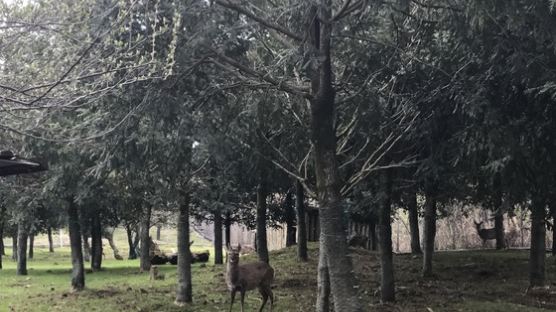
{"points": [[242, 299], [232, 297], [271, 295], [264, 294]]}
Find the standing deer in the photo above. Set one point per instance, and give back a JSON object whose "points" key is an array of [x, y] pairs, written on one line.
{"points": [[247, 277], [485, 234]]}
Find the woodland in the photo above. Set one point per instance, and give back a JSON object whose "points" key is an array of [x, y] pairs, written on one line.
{"points": [[162, 114]]}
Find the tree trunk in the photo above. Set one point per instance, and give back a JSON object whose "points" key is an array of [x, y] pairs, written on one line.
{"points": [[414, 224], [301, 223], [31, 245], [430, 233], [132, 254], [385, 239], [499, 228], [228, 229], [78, 272], [218, 238], [96, 242], [158, 230], [145, 258], [14, 247], [323, 280], [553, 234], [343, 284], [50, 242], [2, 223], [538, 244], [86, 248], [184, 289], [290, 216], [22, 235], [372, 233], [262, 247]]}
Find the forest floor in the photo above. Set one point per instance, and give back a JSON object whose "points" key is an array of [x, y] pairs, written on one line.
{"points": [[484, 280]]}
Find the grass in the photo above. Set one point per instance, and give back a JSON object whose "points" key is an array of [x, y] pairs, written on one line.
{"points": [[465, 281]]}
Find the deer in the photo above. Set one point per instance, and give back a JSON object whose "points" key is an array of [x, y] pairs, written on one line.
{"points": [[485, 234], [248, 276]]}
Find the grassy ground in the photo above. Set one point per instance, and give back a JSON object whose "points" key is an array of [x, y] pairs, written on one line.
{"points": [[466, 281]]}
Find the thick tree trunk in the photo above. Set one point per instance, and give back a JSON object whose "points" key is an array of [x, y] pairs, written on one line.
{"points": [[538, 244], [2, 224], [31, 245], [96, 242], [262, 247], [290, 216], [323, 281], [414, 224], [387, 287], [343, 284], [50, 242], [301, 223], [430, 233], [22, 234], [78, 271], [184, 289], [132, 254], [14, 247], [158, 230], [228, 229], [218, 259], [145, 258]]}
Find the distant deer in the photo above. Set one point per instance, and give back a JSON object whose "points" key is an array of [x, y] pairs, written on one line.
{"points": [[485, 234], [247, 277]]}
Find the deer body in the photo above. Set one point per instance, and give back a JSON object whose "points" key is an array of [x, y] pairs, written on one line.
{"points": [[485, 234], [248, 276]]}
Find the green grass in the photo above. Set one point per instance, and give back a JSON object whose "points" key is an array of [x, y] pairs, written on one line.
{"points": [[465, 281]]}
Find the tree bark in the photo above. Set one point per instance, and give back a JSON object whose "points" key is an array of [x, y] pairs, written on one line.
{"points": [[132, 245], [262, 247], [499, 228], [14, 247], [553, 234], [301, 223], [158, 230], [50, 242], [78, 271], [290, 216], [145, 258], [218, 259], [387, 287], [228, 229], [538, 243], [343, 284], [96, 242], [430, 233], [373, 238], [31, 245], [414, 224], [184, 289], [86, 248], [2, 224], [22, 234], [323, 280]]}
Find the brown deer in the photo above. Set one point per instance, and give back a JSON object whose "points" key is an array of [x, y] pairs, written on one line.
{"points": [[485, 234], [247, 277]]}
